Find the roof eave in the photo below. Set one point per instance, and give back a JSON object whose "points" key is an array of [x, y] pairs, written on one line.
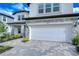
{"points": [[55, 16]]}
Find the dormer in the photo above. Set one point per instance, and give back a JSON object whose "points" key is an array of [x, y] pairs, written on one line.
{"points": [[47, 9], [19, 15]]}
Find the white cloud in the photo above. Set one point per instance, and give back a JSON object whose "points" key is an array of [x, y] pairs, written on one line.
{"points": [[7, 11], [26, 9], [76, 10], [18, 6]]}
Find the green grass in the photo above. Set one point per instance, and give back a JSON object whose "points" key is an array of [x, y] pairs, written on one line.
{"points": [[4, 48]]}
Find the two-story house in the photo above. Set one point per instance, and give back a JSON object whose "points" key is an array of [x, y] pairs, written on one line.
{"points": [[51, 21], [45, 21]]}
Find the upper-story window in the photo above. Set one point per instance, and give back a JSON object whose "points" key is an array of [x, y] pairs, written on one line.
{"points": [[48, 7], [4, 18], [41, 8], [20, 17], [56, 7]]}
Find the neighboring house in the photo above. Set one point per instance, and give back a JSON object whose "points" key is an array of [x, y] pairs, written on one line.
{"points": [[4, 17], [45, 21]]}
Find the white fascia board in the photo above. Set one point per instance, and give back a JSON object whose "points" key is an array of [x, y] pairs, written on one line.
{"points": [[44, 23]]}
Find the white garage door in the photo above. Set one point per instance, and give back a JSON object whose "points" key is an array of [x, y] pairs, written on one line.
{"points": [[51, 33]]}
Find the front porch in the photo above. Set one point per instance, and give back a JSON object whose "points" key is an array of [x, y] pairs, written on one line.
{"points": [[19, 28]]}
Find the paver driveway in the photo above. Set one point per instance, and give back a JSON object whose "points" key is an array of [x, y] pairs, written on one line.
{"points": [[39, 48]]}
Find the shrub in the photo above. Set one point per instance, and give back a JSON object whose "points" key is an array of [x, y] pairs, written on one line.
{"points": [[26, 39], [0, 40], [4, 39], [77, 48], [17, 36], [2, 27], [10, 37], [75, 40]]}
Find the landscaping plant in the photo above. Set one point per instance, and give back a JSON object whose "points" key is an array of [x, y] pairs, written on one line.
{"points": [[17, 36], [8, 37], [4, 48], [2, 27], [25, 39], [75, 40], [77, 48]]}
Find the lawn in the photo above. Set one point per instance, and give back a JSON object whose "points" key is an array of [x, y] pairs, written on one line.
{"points": [[4, 48]]}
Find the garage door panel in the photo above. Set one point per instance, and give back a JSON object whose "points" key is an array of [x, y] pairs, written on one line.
{"points": [[48, 33]]}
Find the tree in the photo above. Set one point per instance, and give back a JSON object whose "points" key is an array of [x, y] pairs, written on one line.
{"points": [[2, 27]]}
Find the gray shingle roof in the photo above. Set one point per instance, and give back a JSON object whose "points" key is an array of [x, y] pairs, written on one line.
{"points": [[6, 14], [20, 11]]}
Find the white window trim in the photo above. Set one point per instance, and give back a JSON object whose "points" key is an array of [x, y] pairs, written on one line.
{"points": [[46, 8], [55, 6], [20, 17], [51, 9], [3, 18], [41, 8]]}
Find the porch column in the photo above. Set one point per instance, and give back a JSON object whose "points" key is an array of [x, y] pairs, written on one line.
{"points": [[22, 30], [12, 29]]}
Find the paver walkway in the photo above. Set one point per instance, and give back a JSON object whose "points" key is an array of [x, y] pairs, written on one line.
{"points": [[39, 48]]}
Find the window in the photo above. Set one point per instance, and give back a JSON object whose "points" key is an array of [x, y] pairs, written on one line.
{"points": [[20, 17], [4, 18], [55, 7], [41, 8], [48, 7]]}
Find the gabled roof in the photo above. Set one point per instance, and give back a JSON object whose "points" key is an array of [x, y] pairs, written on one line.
{"points": [[53, 16], [5, 14], [20, 12]]}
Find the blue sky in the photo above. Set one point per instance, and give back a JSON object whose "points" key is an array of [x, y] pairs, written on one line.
{"points": [[12, 7], [75, 5]]}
